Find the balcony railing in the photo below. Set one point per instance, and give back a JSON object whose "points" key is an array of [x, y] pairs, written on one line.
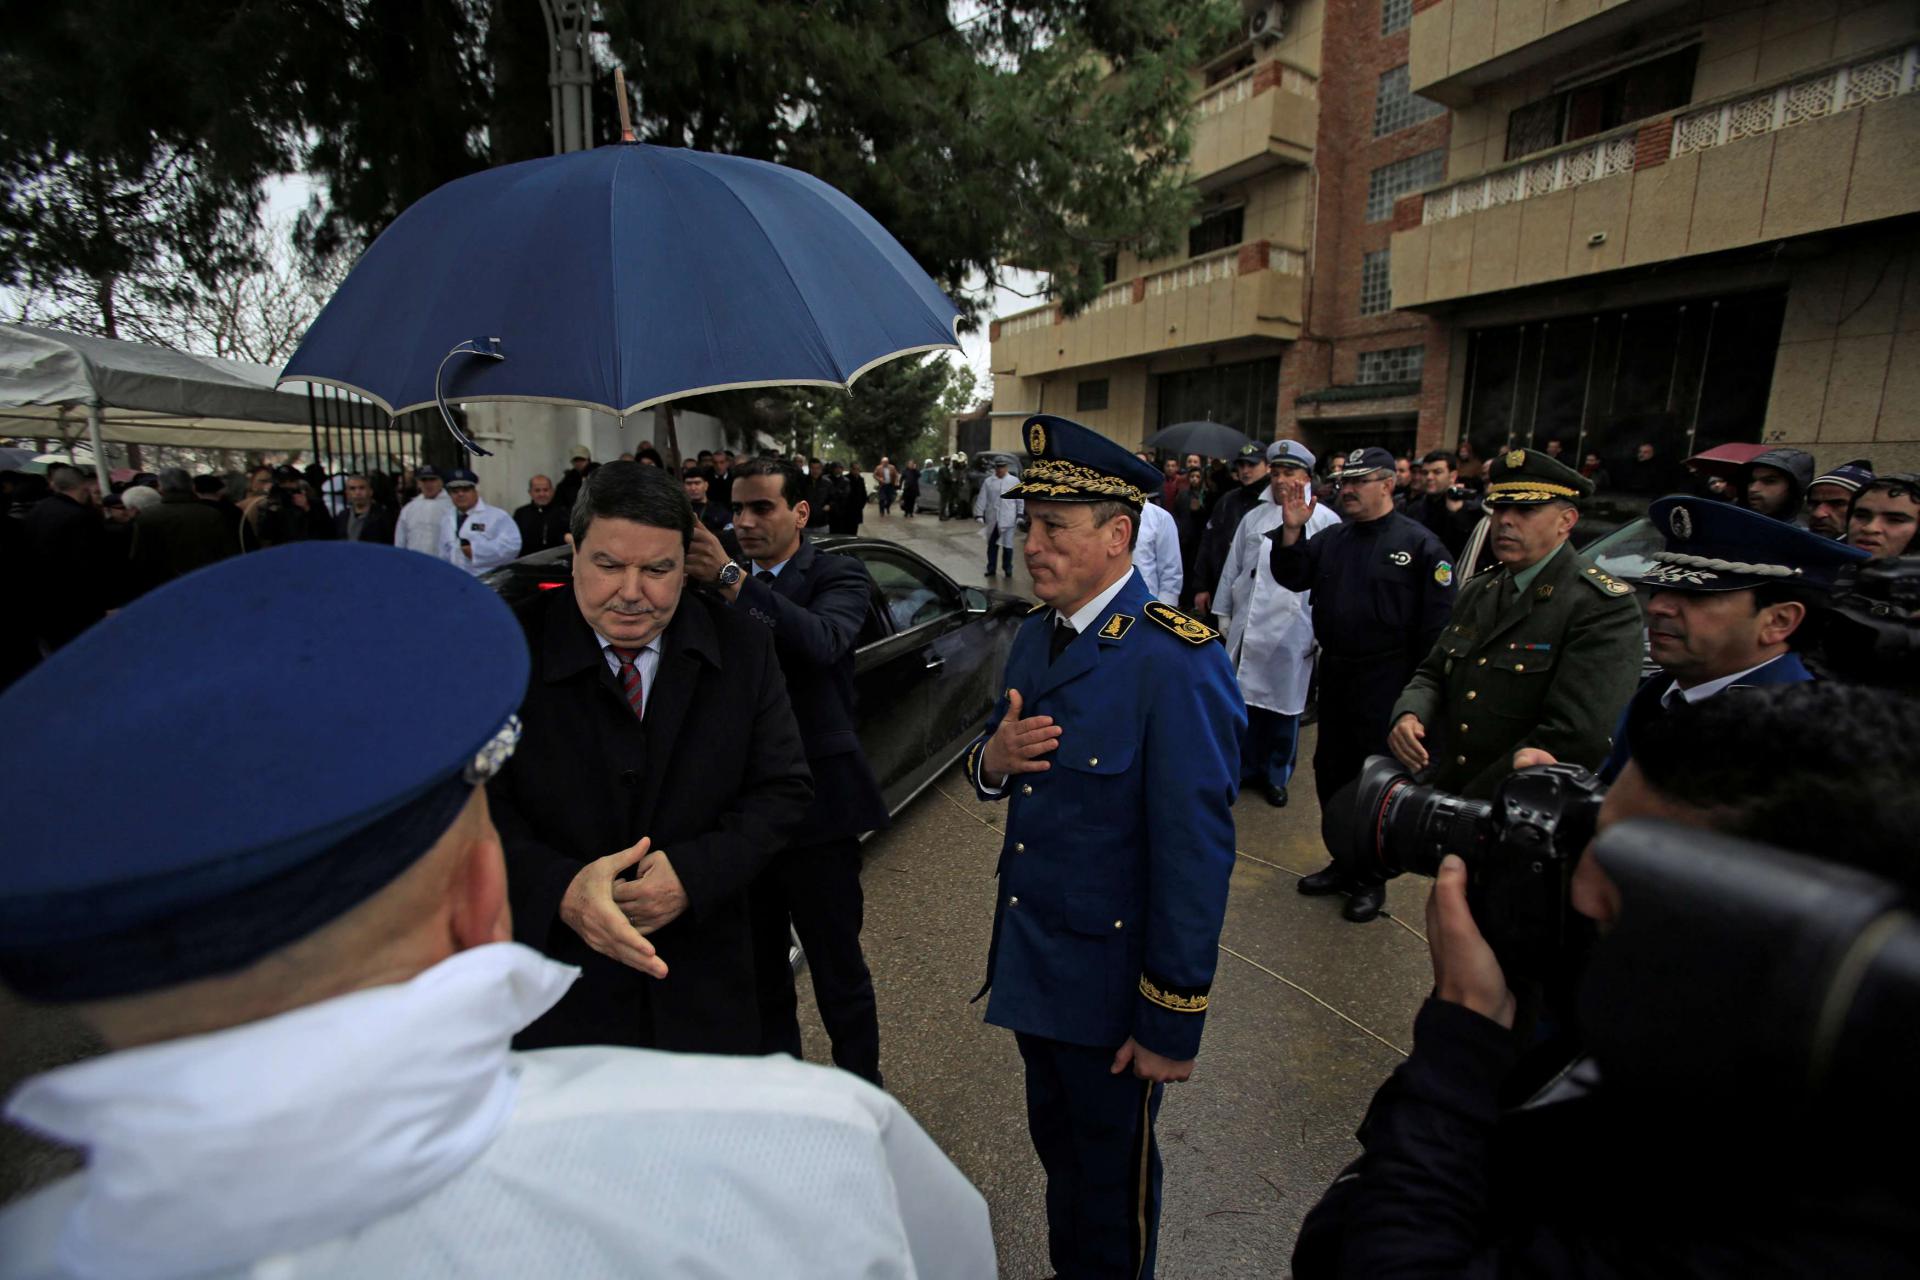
{"points": [[1810, 98], [1588, 160], [1241, 87], [1223, 264]]}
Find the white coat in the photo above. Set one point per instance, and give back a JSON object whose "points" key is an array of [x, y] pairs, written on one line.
{"points": [[493, 534], [1156, 554], [1269, 628], [418, 528], [995, 511], [391, 1132]]}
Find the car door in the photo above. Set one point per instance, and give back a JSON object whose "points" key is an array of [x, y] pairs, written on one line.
{"points": [[906, 692]]}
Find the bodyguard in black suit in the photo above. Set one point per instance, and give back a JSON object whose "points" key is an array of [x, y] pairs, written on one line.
{"points": [[813, 603], [659, 769]]}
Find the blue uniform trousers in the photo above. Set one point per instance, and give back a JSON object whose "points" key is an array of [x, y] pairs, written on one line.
{"points": [[1269, 748], [1093, 1131]]}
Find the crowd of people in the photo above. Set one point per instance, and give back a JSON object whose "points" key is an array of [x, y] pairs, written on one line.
{"points": [[642, 787]]}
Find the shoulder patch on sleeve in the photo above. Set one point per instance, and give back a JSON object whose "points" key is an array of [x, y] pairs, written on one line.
{"points": [[1605, 583], [1191, 630]]}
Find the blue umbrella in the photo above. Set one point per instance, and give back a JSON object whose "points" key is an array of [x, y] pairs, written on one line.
{"points": [[620, 278]]}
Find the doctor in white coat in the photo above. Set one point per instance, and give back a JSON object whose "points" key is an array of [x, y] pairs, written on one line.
{"points": [[1157, 554], [998, 515], [475, 535], [1269, 628]]}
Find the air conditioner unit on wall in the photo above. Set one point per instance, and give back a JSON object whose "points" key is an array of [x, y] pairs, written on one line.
{"points": [[1268, 23]]}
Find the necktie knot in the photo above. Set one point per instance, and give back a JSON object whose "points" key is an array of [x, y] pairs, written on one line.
{"points": [[629, 677], [1063, 634], [626, 656], [765, 575]]}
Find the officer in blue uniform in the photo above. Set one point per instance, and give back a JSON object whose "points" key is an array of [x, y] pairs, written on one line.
{"points": [[1117, 747], [1729, 596], [1382, 593]]}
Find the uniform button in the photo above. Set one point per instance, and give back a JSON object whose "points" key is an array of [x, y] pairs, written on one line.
{"points": [[1482, 662], [1116, 924], [1026, 789], [1472, 694], [1463, 728], [1019, 848], [1092, 760], [1013, 902], [1459, 759], [1519, 666]]}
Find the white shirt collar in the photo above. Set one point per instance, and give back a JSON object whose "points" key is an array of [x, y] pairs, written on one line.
{"points": [[1090, 612], [1701, 692], [215, 1149], [652, 646]]}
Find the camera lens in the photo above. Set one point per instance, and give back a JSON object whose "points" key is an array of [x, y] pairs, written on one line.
{"points": [[1401, 826]]}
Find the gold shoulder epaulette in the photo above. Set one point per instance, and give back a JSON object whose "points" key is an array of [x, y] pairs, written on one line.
{"points": [[1605, 583], [1192, 630]]}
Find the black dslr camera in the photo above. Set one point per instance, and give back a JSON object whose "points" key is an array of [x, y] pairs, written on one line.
{"points": [[1870, 634], [1520, 849]]}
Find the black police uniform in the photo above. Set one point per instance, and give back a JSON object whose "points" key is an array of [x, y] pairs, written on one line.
{"points": [[1382, 594]]}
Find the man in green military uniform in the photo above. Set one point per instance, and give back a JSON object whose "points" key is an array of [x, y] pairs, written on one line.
{"points": [[1541, 652]]}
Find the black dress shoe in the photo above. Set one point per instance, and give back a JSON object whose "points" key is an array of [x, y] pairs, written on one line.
{"points": [[1322, 882], [1364, 903], [1277, 797]]}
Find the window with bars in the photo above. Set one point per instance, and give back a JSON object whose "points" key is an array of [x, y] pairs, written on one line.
{"points": [[1397, 107], [1216, 231], [1395, 15], [1391, 181], [1090, 395], [1395, 364], [1376, 286]]}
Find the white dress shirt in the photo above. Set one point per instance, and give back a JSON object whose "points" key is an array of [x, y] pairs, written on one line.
{"points": [[1156, 554], [646, 662], [391, 1132], [1706, 689]]}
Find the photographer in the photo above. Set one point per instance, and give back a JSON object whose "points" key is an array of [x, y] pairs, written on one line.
{"points": [[1448, 508], [1591, 1180]]}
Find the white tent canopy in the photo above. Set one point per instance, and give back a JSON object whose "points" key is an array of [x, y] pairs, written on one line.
{"points": [[54, 383]]}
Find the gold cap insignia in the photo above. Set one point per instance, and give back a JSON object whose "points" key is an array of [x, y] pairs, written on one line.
{"points": [[1517, 458], [1681, 522], [1036, 439]]}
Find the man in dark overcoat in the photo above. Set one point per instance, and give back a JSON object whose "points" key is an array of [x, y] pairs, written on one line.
{"points": [[660, 769]]}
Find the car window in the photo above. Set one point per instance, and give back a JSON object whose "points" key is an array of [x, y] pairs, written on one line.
{"points": [[1627, 552], [915, 593]]}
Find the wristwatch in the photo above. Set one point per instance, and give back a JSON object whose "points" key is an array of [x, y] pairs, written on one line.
{"points": [[730, 573]]}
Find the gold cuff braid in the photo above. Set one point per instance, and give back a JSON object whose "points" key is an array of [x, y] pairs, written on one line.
{"points": [[1169, 1000]]}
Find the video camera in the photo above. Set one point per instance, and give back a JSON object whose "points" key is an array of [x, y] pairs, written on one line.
{"points": [[1870, 631], [1520, 849]]}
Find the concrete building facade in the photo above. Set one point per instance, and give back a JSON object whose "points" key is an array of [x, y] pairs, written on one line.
{"points": [[1605, 223], [1277, 317], [1676, 224]]}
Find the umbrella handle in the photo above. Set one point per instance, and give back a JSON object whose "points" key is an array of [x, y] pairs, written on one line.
{"points": [[486, 349]]}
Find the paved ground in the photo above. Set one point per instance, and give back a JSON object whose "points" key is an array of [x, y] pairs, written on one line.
{"points": [[1309, 1014]]}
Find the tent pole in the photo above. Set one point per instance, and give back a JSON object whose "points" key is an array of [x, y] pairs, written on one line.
{"points": [[99, 447]]}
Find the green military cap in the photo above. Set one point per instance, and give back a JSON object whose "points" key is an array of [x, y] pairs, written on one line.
{"points": [[1526, 477]]}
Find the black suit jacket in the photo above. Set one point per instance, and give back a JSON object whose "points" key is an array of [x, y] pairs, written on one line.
{"points": [[542, 527], [378, 528], [815, 609], [715, 774]]}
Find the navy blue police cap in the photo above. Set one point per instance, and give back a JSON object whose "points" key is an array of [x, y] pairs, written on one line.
{"points": [[457, 476], [1363, 462], [1072, 463], [241, 757], [1718, 546], [426, 472]]}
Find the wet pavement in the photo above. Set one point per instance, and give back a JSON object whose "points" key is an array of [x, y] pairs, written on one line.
{"points": [[1308, 1015]]}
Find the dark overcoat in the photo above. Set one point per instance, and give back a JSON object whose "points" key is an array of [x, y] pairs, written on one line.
{"points": [[715, 774]]}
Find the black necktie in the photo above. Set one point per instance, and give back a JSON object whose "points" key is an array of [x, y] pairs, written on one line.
{"points": [[1063, 634], [765, 575]]}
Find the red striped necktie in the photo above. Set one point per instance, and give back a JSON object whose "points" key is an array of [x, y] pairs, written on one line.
{"points": [[630, 677]]}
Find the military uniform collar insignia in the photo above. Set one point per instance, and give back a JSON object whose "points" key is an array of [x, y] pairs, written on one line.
{"points": [[1116, 626]]}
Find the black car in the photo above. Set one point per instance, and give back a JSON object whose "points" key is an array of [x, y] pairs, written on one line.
{"points": [[927, 668]]}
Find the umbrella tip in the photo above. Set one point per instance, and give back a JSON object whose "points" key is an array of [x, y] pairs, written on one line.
{"points": [[620, 95]]}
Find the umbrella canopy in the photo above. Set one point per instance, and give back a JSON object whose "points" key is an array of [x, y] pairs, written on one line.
{"points": [[1208, 439], [619, 278]]}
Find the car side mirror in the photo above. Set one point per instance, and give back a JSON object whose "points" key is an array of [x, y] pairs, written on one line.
{"points": [[976, 599]]}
